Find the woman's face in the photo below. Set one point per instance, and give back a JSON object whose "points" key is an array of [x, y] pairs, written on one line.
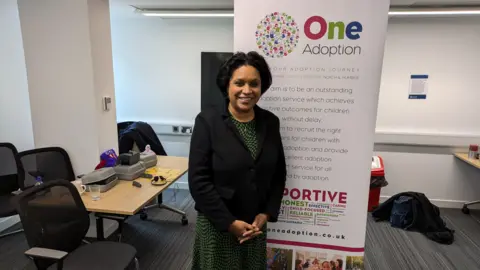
{"points": [[244, 89], [337, 263], [326, 266]]}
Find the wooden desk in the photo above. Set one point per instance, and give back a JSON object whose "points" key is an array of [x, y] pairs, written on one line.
{"points": [[464, 157], [125, 199]]}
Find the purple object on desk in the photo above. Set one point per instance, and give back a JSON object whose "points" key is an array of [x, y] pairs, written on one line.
{"points": [[110, 158]]}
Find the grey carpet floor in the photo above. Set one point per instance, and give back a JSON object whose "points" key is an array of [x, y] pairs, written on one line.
{"points": [[164, 244]]}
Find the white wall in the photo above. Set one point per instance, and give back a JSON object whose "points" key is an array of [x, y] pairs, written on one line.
{"points": [[157, 65], [157, 70], [68, 60], [102, 63], [15, 119], [447, 50], [152, 67], [447, 181], [57, 55]]}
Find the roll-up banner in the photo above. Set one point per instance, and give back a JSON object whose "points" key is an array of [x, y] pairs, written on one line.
{"points": [[326, 59]]}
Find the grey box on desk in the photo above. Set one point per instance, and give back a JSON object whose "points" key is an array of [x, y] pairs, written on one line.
{"points": [[132, 172], [149, 159], [106, 178]]}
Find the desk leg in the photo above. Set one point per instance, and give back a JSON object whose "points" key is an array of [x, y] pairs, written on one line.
{"points": [[175, 210], [465, 209], [144, 216], [160, 198], [118, 218], [172, 209], [100, 234]]}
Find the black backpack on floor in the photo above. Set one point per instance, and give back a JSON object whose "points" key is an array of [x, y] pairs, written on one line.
{"points": [[425, 217]]}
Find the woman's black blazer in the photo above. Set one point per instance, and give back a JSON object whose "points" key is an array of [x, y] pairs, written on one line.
{"points": [[224, 180]]}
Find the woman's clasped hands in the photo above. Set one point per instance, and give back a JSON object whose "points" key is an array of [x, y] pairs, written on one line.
{"points": [[245, 231]]}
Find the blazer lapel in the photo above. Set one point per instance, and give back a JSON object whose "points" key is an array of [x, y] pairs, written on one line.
{"points": [[260, 129], [231, 125]]}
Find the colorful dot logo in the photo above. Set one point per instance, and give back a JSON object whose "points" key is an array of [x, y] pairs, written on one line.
{"points": [[277, 35]]}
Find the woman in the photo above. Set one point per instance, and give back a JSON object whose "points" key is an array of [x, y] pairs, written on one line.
{"points": [[326, 265], [237, 170], [332, 265], [339, 264], [298, 265]]}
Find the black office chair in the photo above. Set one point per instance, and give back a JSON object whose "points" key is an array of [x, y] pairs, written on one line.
{"points": [[53, 163], [56, 221], [49, 163], [11, 177]]}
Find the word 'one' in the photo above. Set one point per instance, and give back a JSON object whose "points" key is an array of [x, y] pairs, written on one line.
{"points": [[351, 30]]}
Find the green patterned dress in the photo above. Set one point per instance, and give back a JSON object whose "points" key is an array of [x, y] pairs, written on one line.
{"points": [[214, 250]]}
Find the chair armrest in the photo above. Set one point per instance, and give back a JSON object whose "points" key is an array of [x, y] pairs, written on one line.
{"points": [[46, 253]]}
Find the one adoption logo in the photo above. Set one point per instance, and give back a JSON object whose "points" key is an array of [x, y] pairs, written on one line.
{"points": [[277, 35]]}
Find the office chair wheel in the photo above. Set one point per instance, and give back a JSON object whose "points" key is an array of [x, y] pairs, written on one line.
{"points": [[143, 216], [184, 220], [465, 210]]}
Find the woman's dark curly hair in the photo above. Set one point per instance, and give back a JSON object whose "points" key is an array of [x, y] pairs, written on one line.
{"points": [[240, 59]]}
